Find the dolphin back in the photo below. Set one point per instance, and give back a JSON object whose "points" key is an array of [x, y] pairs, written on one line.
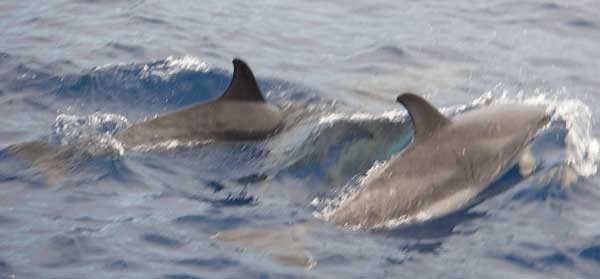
{"points": [[445, 167], [240, 113]]}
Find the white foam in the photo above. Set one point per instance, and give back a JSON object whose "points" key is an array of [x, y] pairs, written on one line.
{"points": [[166, 68], [107, 66], [93, 131], [400, 114], [173, 65], [169, 145], [392, 115], [583, 150]]}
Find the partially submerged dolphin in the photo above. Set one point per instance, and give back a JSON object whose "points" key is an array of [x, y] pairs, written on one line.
{"points": [[448, 163], [240, 113]]}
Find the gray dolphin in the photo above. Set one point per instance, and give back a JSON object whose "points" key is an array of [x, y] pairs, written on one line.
{"points": [[448, 163], [240, 113]]}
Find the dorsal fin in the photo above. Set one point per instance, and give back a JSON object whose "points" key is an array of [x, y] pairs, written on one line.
{"points": [[425, 118], [243, 86]]}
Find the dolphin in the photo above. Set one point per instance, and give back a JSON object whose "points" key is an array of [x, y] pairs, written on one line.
{"points": [[240, 113], [446, 165]]}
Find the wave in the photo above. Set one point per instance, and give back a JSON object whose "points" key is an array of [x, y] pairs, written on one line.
{"points": [[136, 90]]}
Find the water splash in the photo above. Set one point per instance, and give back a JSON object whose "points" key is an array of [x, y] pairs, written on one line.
{"points": [[169, 145], [392, 115], [94, 132], [165, 69], [400, 114], [583, 150]]}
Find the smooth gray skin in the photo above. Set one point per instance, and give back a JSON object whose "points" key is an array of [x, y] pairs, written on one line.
{"points": [[241, 113], [446, 165]]}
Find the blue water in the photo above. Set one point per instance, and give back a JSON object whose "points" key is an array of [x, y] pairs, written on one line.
{"points": [[73, 72]]}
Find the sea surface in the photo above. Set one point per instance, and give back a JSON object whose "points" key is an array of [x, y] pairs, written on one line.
{"points": [[73, 72]]}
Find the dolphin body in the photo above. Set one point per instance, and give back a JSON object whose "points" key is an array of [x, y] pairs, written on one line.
{"points": [[240, 113], [447, 164]]}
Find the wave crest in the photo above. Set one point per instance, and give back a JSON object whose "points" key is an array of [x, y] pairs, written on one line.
{"points": [[167, 68]]}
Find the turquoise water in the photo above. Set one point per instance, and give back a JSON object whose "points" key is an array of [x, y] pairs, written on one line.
{"points": [[74, 72]]}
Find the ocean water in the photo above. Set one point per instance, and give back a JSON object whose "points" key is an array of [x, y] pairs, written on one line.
{"points": [[73, 72]]}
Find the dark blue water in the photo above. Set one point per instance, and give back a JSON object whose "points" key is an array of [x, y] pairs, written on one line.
{"points": [[74, 72]]}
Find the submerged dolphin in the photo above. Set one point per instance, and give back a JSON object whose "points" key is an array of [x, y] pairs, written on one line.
{"points": [[448, 163], [240, 113]]}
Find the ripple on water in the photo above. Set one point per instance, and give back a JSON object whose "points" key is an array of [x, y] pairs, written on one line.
{"points": [[550, 6], [118, 265], [61, 250], [5, 220], [161, 240], [182, 276], [582, 23], [541, 263], [591, 253], [5, 269], [207, 263], [210, 224], [124, 48]]}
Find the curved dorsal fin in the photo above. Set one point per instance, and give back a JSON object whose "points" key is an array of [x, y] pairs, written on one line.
{"points": [[243, 86], [425, 118]]}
